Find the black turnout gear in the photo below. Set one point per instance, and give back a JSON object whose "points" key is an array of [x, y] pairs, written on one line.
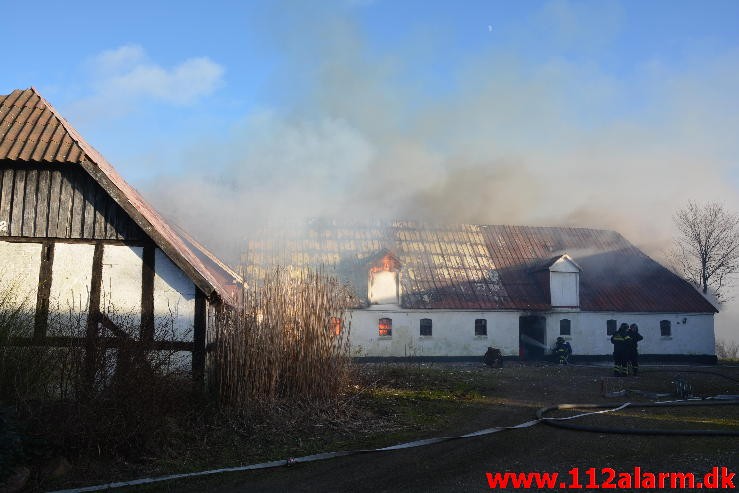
{"points": [[621, 341]]}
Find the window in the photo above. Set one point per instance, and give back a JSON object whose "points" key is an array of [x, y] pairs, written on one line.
{"points": [[610, 327], [665, 328], [385, 327], [564, 327], [425, 326], [334, 326], [481, 327]]}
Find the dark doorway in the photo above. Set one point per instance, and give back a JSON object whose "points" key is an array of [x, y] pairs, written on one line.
{"points": [[532, 336]]}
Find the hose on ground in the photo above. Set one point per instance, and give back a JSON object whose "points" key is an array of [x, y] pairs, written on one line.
{"points": [[693, 371], [540, 414]]}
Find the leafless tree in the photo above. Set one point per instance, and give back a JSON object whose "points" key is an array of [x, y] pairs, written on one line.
{"points": [[706, 249]]}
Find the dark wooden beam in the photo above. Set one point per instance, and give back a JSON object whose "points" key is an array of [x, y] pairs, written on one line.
{"points": [[148, 228], [147, 293], [83, 241], [102, 342], [41, 320], [93, 315], [198, 338]]}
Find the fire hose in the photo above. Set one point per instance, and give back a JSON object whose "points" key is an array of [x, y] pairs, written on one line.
{"points": [[562, 422]]}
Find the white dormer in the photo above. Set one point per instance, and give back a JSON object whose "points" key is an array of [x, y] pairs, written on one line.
{"points": [[384, 280], [564, 282]]}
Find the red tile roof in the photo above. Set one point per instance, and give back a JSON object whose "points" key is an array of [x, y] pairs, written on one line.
{"points": [[31, 130], [484, 267]]}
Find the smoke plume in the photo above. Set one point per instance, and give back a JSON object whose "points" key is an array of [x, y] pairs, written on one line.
{"points": [[362, 133]]}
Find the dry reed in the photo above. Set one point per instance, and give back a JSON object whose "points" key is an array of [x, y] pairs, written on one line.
{"points": [[289, 339]]}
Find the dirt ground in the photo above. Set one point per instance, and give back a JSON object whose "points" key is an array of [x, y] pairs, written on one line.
{"points": [[508, 396]]}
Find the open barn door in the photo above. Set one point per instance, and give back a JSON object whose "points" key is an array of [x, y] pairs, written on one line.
{"points": [[532, 336]]}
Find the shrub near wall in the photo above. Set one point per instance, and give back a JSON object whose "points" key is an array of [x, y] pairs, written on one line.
{"points": [[288, 340], [123, 405]]}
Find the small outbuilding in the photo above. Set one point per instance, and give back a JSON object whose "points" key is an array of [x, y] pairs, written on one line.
{"points": [[77, 241]]}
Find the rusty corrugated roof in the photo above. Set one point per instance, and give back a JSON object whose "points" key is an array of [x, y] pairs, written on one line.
{"points": [[482, 266], [31, 130]]}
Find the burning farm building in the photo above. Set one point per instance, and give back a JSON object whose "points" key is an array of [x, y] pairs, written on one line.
{"points": [[77, 240], [452, 291]]}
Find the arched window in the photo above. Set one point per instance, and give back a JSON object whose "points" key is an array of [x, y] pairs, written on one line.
{"points": [[665, 328], [481, 327], [425, 327], [564, 327], [610, 327], [385, 327]]}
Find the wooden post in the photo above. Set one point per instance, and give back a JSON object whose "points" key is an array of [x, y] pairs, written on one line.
{"points": [[198, 339], [41, 320], [147, 293], [93, 315]]}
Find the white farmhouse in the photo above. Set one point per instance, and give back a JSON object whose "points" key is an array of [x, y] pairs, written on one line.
{"points": [[77, 241], [451, 291]]}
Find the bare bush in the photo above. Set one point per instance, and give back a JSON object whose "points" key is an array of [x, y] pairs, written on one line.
{"points": [[727, 350], [288, 340]]}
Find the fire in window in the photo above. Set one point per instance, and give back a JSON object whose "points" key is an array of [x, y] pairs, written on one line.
{"points": [[385, 327], [425, 326], [334, 326], [481, 327], [384, 281]]}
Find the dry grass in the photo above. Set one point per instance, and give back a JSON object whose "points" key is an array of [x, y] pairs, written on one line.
{"points": [[52, 404], [727, 350], [280, 356], [288, 340]]}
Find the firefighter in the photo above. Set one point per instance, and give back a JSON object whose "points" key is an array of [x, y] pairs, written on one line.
{"points": [[562, 350], [633, 350], [621, 342], [493, 357]]}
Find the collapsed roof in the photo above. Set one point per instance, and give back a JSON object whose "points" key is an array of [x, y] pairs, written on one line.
{"points": [[482, 267]]}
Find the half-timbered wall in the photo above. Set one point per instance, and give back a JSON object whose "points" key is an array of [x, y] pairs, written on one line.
{"points": [[165, 310], [174, 299], [19, 275], [121, 289], [59, 201], [69, 296]]}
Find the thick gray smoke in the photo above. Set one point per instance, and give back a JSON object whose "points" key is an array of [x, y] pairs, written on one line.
{"points": [[360, 136]]}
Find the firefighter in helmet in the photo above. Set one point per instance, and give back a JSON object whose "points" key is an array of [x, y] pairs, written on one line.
{"points": [[493, 357], [633, 350], [621, 341], [562, 350]]}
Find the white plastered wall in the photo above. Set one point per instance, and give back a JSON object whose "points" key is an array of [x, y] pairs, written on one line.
{"points": [[692, 334], [69, 295], [174, 300], [453, 332], [120, 291], [19, 271]]}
